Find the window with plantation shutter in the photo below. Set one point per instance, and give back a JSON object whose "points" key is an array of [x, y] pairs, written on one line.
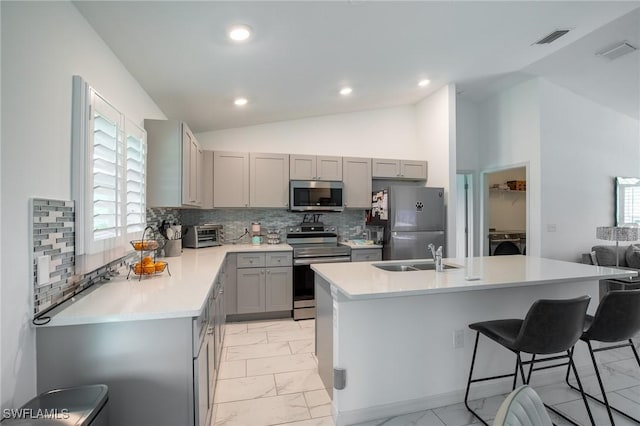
{"points": [[136, 175], [109, 178]]}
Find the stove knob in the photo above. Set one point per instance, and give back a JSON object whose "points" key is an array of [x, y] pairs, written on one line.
{"points": [[297, 229]]}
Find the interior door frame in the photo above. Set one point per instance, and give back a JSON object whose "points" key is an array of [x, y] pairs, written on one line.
{"points": [[484, 203], [468, 204]]}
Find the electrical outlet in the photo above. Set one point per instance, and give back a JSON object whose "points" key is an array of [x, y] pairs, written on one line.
{"points": [[458, 339]]}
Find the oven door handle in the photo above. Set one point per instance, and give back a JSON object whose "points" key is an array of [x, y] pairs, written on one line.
{"points": [[300, 262]]}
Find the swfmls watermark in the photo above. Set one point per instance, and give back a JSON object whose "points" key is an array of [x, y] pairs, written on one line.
{"points": [[39, 413]]}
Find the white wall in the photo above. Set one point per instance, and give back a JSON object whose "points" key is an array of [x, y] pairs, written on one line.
{"points": [[436, 129], [467, 135], [382, 133], [468, 155], [584, 146], [43, 45], [510, 136]]}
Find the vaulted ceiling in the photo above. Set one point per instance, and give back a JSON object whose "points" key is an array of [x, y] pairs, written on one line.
{"points": [[302, 53]]}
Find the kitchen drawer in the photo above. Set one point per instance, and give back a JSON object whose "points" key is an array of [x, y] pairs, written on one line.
{"points": [[251, 260], [366, 255], [279, 259]]}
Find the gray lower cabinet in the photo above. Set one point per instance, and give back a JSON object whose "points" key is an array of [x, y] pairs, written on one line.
{"points": [[251, 284], [279, 289], [264, 282], [169, 363], [366, 255], [230, 286]]}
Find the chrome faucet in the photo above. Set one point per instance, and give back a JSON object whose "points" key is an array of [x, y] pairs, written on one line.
{"points": [[437, 256]]}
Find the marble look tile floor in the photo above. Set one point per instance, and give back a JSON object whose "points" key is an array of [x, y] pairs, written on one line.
{"points": [[268, 376]]}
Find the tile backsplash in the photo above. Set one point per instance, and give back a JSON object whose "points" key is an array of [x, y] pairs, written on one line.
{"points": [[348, 223], [54, 235]]}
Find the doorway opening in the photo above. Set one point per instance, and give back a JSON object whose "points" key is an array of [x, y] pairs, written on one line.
{"points": [[505, 213]]}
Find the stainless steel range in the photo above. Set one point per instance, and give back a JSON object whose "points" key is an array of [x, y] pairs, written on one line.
{"points": [[312, 242]]}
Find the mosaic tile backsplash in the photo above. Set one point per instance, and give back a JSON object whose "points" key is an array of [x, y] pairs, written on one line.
{"points": [[349, 223], [54, 235]]}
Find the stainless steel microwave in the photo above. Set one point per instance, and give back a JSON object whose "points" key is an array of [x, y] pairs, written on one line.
{"points": [[313, 195]]}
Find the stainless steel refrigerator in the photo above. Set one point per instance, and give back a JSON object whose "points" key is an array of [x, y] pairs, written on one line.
{"points": [[413, 217]]}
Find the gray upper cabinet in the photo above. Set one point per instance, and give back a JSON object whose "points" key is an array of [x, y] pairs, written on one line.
{"points": [[413, 169], [315, 167], [207, 180], [269, 176], [230, 179], [174, 161], [399, 169], [356, 175]]}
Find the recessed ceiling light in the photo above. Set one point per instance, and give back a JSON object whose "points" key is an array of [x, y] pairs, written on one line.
{"points": [[240, 32], [240, 101], [346, 91], [424, 83]]}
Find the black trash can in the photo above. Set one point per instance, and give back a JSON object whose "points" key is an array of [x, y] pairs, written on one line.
{"points": [[76, 406]]}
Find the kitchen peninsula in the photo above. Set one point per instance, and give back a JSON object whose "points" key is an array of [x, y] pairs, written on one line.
{"points": [[402, 337], [156, 342]]}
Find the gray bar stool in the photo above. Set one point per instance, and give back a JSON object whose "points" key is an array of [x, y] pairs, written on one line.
{"points": [[550, 327], [616, 320]]}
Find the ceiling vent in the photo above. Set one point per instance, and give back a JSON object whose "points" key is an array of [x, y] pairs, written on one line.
{"points": [[550, 38], [617, 50]]}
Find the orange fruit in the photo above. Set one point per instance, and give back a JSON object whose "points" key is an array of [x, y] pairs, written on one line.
{"points": [[147, 260], [149, 268], [137, 268], [160, 266]]}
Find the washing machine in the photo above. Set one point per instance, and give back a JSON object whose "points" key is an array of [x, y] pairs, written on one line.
{"points": [[507, 243]]}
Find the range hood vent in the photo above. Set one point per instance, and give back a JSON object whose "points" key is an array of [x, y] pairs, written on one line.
{"points": [[619, 49], [550, 38]]}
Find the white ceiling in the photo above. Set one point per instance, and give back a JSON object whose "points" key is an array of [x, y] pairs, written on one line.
{"points": [[303, 52]]}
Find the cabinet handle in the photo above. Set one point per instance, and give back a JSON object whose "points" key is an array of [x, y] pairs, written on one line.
{"points": [[268, 271], [261, 272]]}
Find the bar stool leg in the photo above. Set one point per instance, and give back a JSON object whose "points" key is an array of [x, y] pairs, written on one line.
{"points": [[604, 393], [575, 371], [533, 360], [519, 363], [604, 401], [466, 394], [515, 377], [635, 352]]}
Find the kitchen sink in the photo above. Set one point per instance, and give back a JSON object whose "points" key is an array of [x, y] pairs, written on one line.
{"points": [[394, 267], [413, 266]]}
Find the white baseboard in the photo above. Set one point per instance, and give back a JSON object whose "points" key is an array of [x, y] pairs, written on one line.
{"points": [[478, 390]]}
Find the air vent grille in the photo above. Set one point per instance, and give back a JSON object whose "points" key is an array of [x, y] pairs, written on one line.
{"points": [[550, 38], [617, 50]]}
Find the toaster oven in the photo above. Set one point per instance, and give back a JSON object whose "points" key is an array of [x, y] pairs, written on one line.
{"points": [[199, 236]]}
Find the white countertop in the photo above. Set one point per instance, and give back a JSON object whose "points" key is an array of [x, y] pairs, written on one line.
{"points": [[356, 246], [154, 297], [362, 280]]}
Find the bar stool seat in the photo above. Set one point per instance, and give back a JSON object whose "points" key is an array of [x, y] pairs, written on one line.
{"points": [[617, 319], [550, 328], [504, 332]]}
